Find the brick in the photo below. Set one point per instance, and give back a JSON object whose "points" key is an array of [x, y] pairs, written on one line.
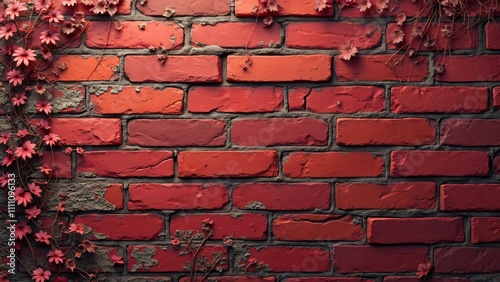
{"points": [[245, 8], [429, 279], [102, 34], [485, 229], [292, 68], [69, 98], [249, 226], [151, 258], [470, 197], [333, 164], [428, 230], [86, 196], [126, 164], [122, 226], [463, 37], [317, 227], [470, 132], [207, 164], [234, 279], [87, 68], [382, 68], [466, 260], [346, 258], [496, 97], [60, 164], [88, 131], [390, 196], [279, 131], [467, 68], [327, 279], [492, 36], [138, 100], [332, 35], [293, 259], [235, 35], [177, 132], [186, 7], [176, 196], [337, 99], [235, 99], [373, 131], [439, 163], [282, 196], [439, 99], [175, 69]]}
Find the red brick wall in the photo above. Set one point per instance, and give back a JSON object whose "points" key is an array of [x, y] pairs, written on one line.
{"points": [[317, 166]]}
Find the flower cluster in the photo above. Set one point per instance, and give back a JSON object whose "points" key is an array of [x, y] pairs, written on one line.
{"points": [[30, 34]]}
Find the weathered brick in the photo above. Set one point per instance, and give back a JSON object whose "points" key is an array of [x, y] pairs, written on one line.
{"points": [[485, 229], [122, 227], [467, 68], [293, 259], [87, 131], [346, 258], [279, 131], [373, 131], [184, 69], [59, 162], [439, 99], [333, 164], [439, 163], [429, 279], [291, 68], [470, 132], [382, 68], [102, 34], [233, 279], [235, 35], [282, 196], [496, 97], [138, 100], [492, 36], [466, 260], [470, 197], [250, 226], [177, 132], [337, 99], [210, 164], [87, 68], [235, 99], [86, 196], [126, 164], [399, 195], [428, 230], [332, 35], [317, 227]]}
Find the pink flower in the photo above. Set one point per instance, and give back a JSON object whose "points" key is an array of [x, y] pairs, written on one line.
{"points": [[22, 229], [43, 237], [80, 150], [46, 54], [88, 246], [7, 31], [78, 228], [116, 259], [69, 3], [43, 124], [49, 37], [71, 264], [45, 169], [54, 16], [51, 139], [19, 99], [15, 77], [35, 189], [56, 256], [68, 150], [60, 207], [22, 197], [22, 133], [175, 242], [68, 27], [4, 180], [40, 275], [347, 51], [100, 8], [42, 5], [13, 9], [26, 150], [5, 138], [22, 56], [43, 106], [32, 212], [40, 89], [8, 160]]}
